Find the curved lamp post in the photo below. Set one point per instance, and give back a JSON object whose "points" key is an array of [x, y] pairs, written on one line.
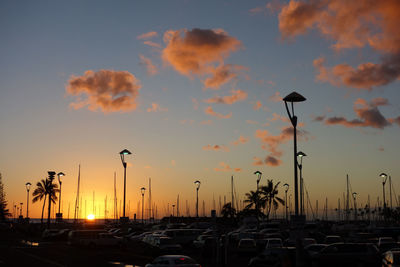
{"points": [[197, 183], [292, 98], [59, 215], [355, 205], [384, 179], [300, 165], [142, 190], [258, 173], [122, 154], [286, 204], [28, 187]]}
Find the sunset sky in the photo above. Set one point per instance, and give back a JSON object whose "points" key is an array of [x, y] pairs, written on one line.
{"points": [[194, 90]]}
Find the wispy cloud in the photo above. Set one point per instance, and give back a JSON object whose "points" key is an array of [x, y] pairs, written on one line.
{"points": [[152, 44], [209, 111], [237, 95], [276, 97], [107, 90], [150, 67], [216, 148], [223, 167], [240, 140], [155, 107], [147, 35]]}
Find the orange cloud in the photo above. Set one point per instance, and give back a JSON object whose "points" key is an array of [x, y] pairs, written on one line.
{"points": [[257, 105], [147, 35], [269, 160], [152, 44], [216, 148], [367, 113], [276, 97], [351, 24], [107, 90], [276, 117], [209, 110], [237, 95], [225, 167], [196, 52], [155, 108], [151, 69], [241, 140]]}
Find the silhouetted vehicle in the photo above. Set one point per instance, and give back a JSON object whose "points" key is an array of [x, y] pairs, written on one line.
{"points": [[48, 234], [349, 254], [166, 244], [385, 240], [182, 236], [391, 259], [313, 249], [246, 246], [200, 241], [332, 239], [388, 246], [173, 260], [283, 256], [274, 243]]}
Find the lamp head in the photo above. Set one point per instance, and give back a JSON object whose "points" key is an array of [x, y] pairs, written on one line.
{"points": [[301, 154], [258, 172], [28, 186], [287, 187], [383, 175], [197, 182], [125, 152], [294, 97], [142, 190]]}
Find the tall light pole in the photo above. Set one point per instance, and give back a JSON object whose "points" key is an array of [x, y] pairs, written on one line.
{"points": [[355, 205], [258, 173], [292, 98], [50, 180], [286, 204], [301, 155], [59, 214], [142, 190], [197, 183], [20, 210], [173, 210], [384, 178], [28, 187], [122, 154]]}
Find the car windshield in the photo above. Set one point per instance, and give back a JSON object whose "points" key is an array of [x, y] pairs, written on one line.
{"points": [[166, 241]]}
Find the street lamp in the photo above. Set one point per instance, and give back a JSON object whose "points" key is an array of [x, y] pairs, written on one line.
{"points": [[197, 183], [286, 204], [142, 190], [173, 210], [28, 187], [258, 173], [122, 154], [301, 155], [59, 214], [20, 210], [294, 97], [384, 177]]}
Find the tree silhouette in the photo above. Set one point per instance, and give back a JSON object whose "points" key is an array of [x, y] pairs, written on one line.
{"points": [[255, 202], [270, 197], [228, 211], [4, 213], [42, 190]]}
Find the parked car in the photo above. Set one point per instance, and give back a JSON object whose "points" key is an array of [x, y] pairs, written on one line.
{"points": [[388, 246], [247, 245], [166, 244], [332, 239], [200, 241], [274, 243], [385, 240], [349, 254], [391, 259], [283, 256], [173, 260]]}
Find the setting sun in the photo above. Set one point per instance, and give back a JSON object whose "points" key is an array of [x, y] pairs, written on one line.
{"points": [[90, 217]]}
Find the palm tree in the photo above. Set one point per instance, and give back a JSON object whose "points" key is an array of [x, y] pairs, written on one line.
{"points": [[270, 197], [39, 193], [228, 210], [44, 188], [255, 200]]}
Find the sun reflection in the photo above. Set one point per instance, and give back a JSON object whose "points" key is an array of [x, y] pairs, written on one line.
{"points": [[90, 217]]}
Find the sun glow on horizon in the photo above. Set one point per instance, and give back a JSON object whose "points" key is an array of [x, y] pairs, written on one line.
{"points": [[90, 217]]}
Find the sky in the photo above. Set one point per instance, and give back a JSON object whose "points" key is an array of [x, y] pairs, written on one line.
{"points": [[194, 90]]}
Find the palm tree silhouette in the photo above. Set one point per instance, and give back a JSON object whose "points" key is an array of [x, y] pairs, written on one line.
{"points": [[270, 197], [44, 188], [228, 210], [254, 199]]}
